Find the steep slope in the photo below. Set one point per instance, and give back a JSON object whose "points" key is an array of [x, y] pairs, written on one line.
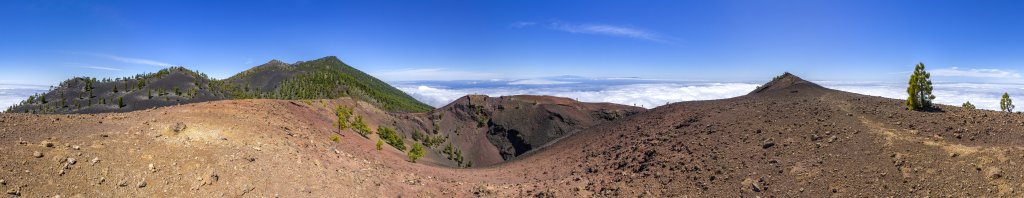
{"points": [[323, 78], [170, 86], [784, 81], [488, 130], [794, 140]]}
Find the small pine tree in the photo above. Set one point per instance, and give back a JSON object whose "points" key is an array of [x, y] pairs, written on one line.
{"points": [[380, 144], [919, 89], [150, 93], [43, 99], [968, 105], [1006, 104], [416, 152], [120, 102], [115, 88]]}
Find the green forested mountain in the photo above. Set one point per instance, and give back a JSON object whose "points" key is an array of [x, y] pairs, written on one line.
{"points": [[323, 78], [326, 77]]}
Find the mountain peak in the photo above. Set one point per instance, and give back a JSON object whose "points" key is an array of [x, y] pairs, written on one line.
{"points": [[786, 80], [274, 62]]}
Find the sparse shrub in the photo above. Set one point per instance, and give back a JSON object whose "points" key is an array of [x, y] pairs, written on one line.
{"points": [[1006, 104], [416, 152], [453, 154], [418, 136], [380, 144], [920, 89], [335, 138], [968, 105], [42, 98], [391, 137], [434, 141], [360, 127]]}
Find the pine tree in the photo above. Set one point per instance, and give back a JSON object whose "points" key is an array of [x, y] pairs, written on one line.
{"points": [[1006, 104], [416, 152], [43, 99], [150, 93], [120, 102], [115, 88], [919, 89], [968, 105]]}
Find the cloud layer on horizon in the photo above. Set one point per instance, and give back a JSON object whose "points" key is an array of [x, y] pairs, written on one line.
{"points": [[649, 95], [975, 73], [14, 94], [646, 95]]}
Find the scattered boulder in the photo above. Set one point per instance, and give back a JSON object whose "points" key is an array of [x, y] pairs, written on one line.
{"points": [[37, 154], [3, 182], [753, 185], [141, 184], [993, 173], [95, 160], [14, 191], [178, 127], [47, 144], [767, 145]]}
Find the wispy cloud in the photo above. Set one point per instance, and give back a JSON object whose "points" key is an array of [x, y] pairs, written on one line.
{"points": [[139, 61], [433, 74], [101, 68], [975, 73], [609, 30], [598, 29], [521, 24]]}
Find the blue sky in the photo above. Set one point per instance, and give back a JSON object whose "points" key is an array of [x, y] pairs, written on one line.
{"points": [[44, 42]]}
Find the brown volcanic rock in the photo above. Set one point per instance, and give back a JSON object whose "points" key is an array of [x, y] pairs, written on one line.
{"points": [[784, 81], [824, 143]]}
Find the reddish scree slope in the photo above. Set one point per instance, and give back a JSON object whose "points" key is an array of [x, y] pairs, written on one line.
{"points": [[798, 140]]}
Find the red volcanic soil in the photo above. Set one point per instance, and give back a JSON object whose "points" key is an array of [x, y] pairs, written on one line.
{"points": [[788, 140]]}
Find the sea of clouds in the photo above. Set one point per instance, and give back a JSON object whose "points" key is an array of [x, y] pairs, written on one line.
{"points": [[13, 94], [653, 93], [638, 92]]}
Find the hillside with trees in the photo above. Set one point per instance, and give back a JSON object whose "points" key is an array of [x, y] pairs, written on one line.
{"points": [[169, 86], [324, 78]]}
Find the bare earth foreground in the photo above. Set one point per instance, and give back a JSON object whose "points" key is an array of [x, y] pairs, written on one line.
{"points": [[790, 139]]}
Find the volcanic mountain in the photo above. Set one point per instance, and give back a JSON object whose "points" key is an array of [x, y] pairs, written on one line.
{"points": [[324, 78], [793, 139]]}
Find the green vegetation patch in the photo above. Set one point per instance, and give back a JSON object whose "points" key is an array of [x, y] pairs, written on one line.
{"points": [[391, 137]]}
